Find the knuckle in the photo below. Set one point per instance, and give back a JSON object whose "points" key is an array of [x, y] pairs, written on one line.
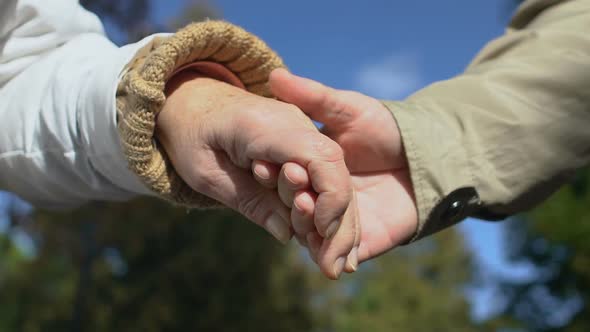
{"points": [[253, 113], [328, 149], [341, 202], [345, 197], [333, 206], [351, 95], [325, 96], [250, 120], [292, 108], [339, 197]]}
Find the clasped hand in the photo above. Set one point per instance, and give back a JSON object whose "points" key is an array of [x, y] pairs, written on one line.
{"points": [[344, 192]]}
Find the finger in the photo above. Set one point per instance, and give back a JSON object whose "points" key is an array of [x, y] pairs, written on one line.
{"points": [[352, 260], [334, 252], [324, 161], [314, 241], [302, 212], [265, 173], [319, 102], [302, 240], [238, 190], [292, 178]]}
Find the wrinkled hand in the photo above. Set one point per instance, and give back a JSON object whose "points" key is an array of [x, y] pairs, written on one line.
{"points": [[374, 155], [212, 131]]}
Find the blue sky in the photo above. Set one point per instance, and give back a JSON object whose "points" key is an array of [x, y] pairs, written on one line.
{"points": [[386, 49], [333, 41]]}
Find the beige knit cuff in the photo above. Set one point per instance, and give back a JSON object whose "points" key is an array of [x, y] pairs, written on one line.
{"points": [[140, 95]]}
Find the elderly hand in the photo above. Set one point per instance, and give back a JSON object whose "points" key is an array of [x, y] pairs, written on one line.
{"points": [[374, 155], [212, 131]]}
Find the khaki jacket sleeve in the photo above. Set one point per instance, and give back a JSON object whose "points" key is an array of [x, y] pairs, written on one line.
{"points": [[514, 126], [141, 95]]}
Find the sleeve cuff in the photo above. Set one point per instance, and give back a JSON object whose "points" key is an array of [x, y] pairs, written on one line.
{"points": [[97, 118], [212, 70], [439, 166], [141, 96]]}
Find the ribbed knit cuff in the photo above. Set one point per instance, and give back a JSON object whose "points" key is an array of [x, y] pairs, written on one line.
{"points": [[140, 95]]}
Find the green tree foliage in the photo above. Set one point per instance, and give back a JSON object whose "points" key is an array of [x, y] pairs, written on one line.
{"points": [[565, 219], [418, 288], [555, 241], [147, 266]]}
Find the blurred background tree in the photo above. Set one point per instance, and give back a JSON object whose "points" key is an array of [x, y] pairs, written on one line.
{"points": [[554, 238], [416, 288], [145, 265]]}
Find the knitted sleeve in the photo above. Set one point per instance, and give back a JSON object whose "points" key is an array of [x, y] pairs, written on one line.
{"points": [[140, 95]]}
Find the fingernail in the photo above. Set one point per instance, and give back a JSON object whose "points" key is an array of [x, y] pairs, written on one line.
{"points": [[339, 266], [353, 259], [262, 172], [279, 228], [297, 207], [331, 230]]}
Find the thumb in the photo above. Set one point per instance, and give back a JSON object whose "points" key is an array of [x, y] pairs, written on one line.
{"points": [[321, 103]]}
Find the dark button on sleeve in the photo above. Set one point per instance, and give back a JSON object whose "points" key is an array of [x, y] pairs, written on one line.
{"points": [[458, 205], [454, 211]]}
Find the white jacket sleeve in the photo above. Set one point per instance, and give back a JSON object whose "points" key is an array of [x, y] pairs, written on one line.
{"points": [[59, 144], [61, 81]]}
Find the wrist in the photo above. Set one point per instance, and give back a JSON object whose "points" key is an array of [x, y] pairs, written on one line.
{"points": [[181, 78], [391, 138], [189, 95], [141, 96], [192, 110], [212, 70]]}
